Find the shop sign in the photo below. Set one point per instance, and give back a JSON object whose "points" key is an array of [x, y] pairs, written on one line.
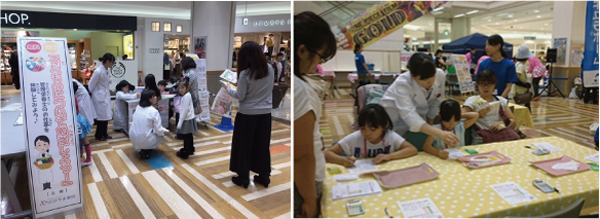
{"points": [[154, 50], [15, 18], [50, 126], [37, 19], [379, 21], [266, 23], [245, 21], [118, 70], [589, 67]]}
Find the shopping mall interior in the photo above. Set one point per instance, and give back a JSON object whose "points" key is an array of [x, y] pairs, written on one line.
{"points": [[565, 113], [155, 37]]}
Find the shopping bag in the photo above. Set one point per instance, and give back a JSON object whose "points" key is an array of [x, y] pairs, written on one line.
{"points": [[222, 102]]}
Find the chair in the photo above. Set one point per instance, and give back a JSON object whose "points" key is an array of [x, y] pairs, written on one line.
{"points": [[372, 78], [386, 79], [331, 80], [361, 100], [569, 212]]}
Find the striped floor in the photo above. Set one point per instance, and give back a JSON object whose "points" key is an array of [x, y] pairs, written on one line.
{"points": [[553, 116], [121, 185]]}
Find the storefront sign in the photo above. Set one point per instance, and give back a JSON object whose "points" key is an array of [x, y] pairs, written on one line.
{"points": [[379, 21], [589, 67], [154, 50], [124, 70], [118, 70], [264, 23], [34, 19], [50, 124]]}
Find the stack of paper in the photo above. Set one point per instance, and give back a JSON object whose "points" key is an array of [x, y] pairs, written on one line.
{"points": [[592, 158], [229, 75], [356, 189], [546, 146], [454, 153], [363, 166]]}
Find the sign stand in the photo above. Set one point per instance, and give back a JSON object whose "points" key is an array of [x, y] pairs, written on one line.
{"points": [[226, 124]]}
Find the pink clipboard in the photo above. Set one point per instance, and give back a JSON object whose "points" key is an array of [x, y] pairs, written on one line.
{"points": [[406, 176], [491, 158], [546, 165]]}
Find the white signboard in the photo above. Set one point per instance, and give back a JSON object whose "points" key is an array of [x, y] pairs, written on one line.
{"points": [[590, 78], [203, 94], [50, 126], [123, 70]]}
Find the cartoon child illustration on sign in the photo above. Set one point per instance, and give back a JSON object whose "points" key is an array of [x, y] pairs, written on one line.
{"points": [[44, 161]]}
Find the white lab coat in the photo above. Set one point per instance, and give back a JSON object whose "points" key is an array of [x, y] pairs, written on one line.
{"points": [[99, 86], [119, 121], [407, 104], [146, 131], [44, 176], [86, 108]]}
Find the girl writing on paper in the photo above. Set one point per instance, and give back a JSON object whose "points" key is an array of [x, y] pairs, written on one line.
{"points": [[487, 105], [375, 139], [252, 128], [314, 44], [84, 129], [98, 85], [451, 115], [186, 126], [413, 100], [146, 132], [123, 95]]}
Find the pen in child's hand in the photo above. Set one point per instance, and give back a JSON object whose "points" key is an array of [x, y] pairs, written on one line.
{"points": [[555, 189]]}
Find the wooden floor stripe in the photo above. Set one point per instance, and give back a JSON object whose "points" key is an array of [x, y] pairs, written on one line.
{"points": [[221, 193], [280, 140], [284, 216], [338, 126], [121, 145], [203, 133], [266, 192], [128, 162], [180, 143], [214, 160], [95, 173], [137, 199], [71, 216], [107, 166], [98, 201], [205, 205], [170, 196]]}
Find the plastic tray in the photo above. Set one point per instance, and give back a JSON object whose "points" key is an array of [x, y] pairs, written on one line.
{"points": [[546, 165], [406, 176], [491, 158]]}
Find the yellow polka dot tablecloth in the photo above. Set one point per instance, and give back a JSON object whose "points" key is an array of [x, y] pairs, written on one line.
{"points": [[463, 192], [522, 116]]}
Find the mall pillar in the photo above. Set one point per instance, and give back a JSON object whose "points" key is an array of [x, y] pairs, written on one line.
{"points": [[461, 27], [569, 24], [436, 35], [216, 20]]}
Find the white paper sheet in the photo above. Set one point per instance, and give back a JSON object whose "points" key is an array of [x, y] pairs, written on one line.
{"points": [[345, 177], [547, 146], [454, 153], [19, 120], [356, 189], [420, 208], [592, 158], [363, 166], [513, 193]]}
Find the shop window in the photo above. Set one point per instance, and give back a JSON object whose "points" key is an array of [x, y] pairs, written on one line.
{"points": [[179, 28], [155, 26], [167, 27]]}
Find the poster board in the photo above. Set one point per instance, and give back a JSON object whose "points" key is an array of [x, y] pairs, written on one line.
{"points": [[561, 50], [589, 66], [50, 126], [203, 94], [465, 82]]}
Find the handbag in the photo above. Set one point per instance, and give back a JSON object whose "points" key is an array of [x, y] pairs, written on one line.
{"points": [[506, 134], [524, 97]]}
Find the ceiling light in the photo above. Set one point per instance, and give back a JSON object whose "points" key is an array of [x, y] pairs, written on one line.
{"points": [[539, 16], [75, 29], [438, 9], [542, 28], [489, 20], [459, 15], [414, 38], [510, 15], [497, 23], [516, 20], [546, 24], [473, 12], [520, 27], [536, 11]]}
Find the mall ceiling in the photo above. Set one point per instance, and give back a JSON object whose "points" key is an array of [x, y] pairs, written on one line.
{"points": [[153, 9], [509, 18]]}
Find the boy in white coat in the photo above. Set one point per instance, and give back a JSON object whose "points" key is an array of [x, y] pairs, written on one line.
{"points": [[413, 100], [123, 88]]}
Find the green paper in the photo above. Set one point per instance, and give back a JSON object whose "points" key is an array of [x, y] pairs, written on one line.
{"points": [[471, 151], [594, 166]]}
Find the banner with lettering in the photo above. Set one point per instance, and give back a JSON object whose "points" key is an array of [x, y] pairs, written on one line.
{"points": [[379, 21], [50, 125], [465, 82], [589, 67]]}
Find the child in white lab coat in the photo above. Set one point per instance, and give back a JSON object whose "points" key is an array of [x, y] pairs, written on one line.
{"points": [[186, 126], [376, 140], [84, 129], [146, 131], [123, 95]]}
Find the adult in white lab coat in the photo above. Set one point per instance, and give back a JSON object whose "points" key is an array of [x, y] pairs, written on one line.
{"points": [[123, 88], [146, 131], [98, 85], [414, 99], [86, 108]]}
